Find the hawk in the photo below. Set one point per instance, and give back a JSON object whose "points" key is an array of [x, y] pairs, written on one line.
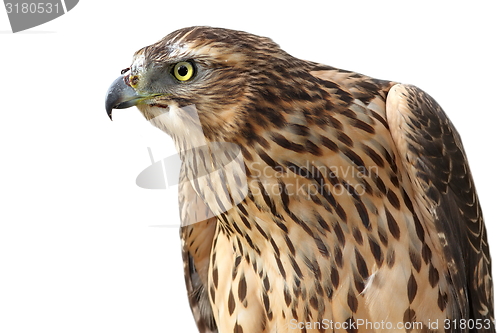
{"points": [[312, 198]]}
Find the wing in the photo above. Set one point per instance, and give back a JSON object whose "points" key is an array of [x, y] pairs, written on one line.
{"points": [[433, 154], [197, 235]]}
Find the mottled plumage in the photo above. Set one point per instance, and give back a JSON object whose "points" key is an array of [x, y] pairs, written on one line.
{"points": [[353, 199]]}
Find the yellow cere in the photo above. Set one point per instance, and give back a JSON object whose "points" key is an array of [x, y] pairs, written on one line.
{"points": [[183, 71]]}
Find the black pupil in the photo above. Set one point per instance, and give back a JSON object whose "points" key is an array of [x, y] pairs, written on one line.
{"points": [[183, 70]]}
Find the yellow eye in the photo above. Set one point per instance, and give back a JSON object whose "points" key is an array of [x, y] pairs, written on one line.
{"points": [[183, 71]]}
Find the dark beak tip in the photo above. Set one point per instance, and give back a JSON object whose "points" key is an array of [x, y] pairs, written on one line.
{"points": [[109, 107], [119, 96], [113, 95]]}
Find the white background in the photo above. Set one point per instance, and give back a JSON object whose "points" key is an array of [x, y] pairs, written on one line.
{"points": [[80, 246]]}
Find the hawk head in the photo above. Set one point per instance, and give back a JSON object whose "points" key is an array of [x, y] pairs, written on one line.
{"points": [[224, 74]]}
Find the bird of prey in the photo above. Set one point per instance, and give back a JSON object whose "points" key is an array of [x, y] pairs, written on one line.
{"points": [[312, 199]]}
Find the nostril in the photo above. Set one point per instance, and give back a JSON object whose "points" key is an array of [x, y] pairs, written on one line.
{"points": [[131, 80]]}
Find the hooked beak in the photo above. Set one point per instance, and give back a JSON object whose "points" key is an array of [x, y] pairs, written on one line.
{"points": [[120, 96]]}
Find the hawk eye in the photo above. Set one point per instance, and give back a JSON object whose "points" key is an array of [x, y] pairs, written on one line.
{"points": [[183, 70]]}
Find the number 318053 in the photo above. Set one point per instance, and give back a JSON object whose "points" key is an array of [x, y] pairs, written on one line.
{"points": [[464, 324]]}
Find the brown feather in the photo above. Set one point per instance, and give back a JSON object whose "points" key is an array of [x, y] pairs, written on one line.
{"points": [[339, 197]]}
